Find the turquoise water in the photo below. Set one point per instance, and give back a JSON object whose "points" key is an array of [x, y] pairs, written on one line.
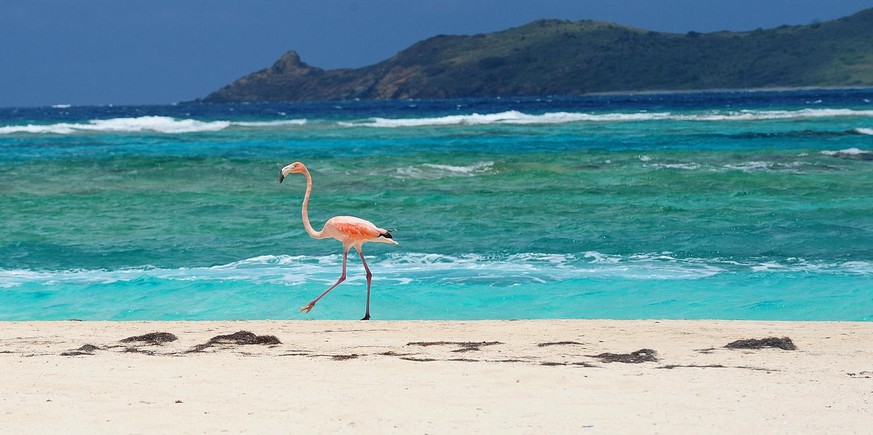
{"points": [[733, 205]]}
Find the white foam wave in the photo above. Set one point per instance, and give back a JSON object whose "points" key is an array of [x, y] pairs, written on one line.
{"points": [[519, 118], [682, 166], [281, 123], [509, 118], [433, 171], [756, 165], [157, 124], [153, 124], [756, 115], [170, 125], [409, 268], [846, 152]]}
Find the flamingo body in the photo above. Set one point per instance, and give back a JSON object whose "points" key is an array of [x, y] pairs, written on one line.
{"points": [[349, 230]]}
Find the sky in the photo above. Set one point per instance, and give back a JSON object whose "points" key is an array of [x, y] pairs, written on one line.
{"points": [[139, 52]]}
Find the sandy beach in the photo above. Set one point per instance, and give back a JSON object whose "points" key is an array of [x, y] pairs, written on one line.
{"points": [[545, 376]]}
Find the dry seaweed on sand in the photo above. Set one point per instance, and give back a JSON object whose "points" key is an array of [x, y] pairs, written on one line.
{"points": [[783, 343], [240, 338], [155, 338], [344, 357], [560, 343], [138, 350], [640, 356], [463, 346], [87, 349]]}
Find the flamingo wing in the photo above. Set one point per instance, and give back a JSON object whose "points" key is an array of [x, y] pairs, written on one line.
{"points": [[357, 230]]}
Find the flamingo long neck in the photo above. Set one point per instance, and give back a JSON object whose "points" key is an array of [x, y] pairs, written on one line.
{"points": [[312, 233]]}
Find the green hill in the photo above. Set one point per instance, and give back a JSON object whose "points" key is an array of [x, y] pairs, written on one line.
{"points": [[554, 57]]}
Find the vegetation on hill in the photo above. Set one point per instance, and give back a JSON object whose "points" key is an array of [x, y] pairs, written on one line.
{"points": [[555, 57]]}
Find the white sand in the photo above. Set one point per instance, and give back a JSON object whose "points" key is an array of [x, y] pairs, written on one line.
{"points": [[366, 377]]}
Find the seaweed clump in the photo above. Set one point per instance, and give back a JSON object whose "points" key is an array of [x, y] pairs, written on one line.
{"points": [[783, 343], [238, 338], [640, 356], [463, 346], [155, 338], [87, 349]]}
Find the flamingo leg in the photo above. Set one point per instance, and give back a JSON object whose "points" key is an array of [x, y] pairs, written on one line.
{"points": [[342, 278], [369, 281]]}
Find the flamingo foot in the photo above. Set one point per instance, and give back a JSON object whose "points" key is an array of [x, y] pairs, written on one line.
{"points": [[308, 307], [366, 316]]}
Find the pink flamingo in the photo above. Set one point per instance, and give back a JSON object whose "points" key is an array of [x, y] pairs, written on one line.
{"points": [[349, 230]]}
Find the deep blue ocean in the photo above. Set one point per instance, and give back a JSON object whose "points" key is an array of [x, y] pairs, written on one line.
{"points": [[709, 205]]}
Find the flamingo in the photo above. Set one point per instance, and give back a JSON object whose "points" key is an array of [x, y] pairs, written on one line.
{"points": [[349, 230]]}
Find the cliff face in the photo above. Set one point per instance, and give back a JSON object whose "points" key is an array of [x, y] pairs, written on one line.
{"points": [[564, 57]]}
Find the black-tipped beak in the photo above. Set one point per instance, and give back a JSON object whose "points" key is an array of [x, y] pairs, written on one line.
{"points": [[281, 177]]}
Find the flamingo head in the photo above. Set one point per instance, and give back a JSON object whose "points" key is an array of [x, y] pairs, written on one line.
{"points": [[294, 168]]}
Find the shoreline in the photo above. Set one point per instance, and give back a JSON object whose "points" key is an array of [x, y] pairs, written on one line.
{"points": [[488, 376]]}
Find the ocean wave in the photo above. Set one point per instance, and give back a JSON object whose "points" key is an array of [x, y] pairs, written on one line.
{"points": [[143, 124], [520, 118], [750, 166], [846, 152], [408, 268], [762, 115], [849, 153], [157, 124], [762, 166], [690, 166], [510, 118], [432, 171], [280, 123], [171, 125]]}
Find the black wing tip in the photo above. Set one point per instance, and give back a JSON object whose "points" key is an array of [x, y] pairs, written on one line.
{"points": [[386, 235]]}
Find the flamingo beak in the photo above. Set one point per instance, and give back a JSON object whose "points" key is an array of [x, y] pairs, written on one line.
{"points": [[281, 178]]}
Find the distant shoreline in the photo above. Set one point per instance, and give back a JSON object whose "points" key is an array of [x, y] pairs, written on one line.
{"points": [[588, 94]]}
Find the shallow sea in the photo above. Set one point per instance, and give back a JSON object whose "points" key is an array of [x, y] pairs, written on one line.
{"points": [[727, 205]]}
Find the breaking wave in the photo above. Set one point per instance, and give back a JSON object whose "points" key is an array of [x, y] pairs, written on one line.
{"points": [[171, 125], [142, 124], [430, 171], [850, 153], [520, 118], [403, 269], [845, 152], [750, 166]]}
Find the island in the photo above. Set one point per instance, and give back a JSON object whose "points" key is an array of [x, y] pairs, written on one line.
{"points": [[559, 57]]}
